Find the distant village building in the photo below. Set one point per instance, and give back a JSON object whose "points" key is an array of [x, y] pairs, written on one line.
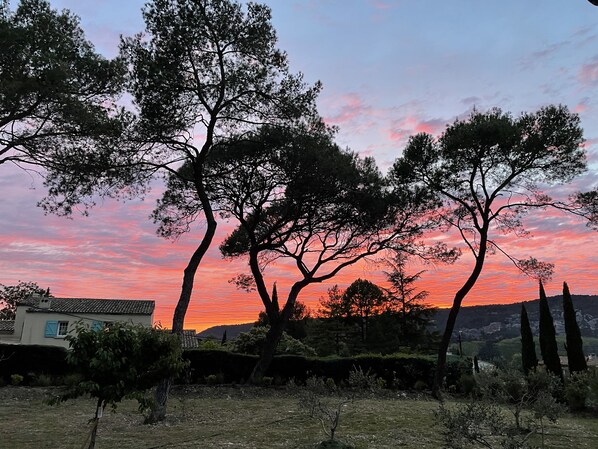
{"points": [[47, 321]]}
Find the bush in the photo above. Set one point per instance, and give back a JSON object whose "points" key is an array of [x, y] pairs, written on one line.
{"points": [[363, 380], [577, 390], [16, 379], [42, 380], [252, 342]]}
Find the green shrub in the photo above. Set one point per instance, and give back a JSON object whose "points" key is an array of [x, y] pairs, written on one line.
{"points": [[420, 385], [267, 381], [363, 380], [212, 379], [16, 379], [577, 390], [467, 384], [42, 380]]}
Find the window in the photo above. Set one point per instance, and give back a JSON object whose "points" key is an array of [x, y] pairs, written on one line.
{"points": [[63, 328], [56, 329]]}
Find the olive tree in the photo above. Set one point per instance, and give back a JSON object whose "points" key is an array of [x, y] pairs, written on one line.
{"points": [[489, 171]]}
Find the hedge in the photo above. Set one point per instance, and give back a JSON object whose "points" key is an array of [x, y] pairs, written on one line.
{"points": [[31, 361], [398, 371]]}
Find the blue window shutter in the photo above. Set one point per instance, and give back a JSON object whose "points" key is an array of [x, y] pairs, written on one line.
{"points": [[51, 329], [97, 325]]}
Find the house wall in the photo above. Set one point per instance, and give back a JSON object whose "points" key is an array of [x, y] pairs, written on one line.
{"points": [[33, 326]]}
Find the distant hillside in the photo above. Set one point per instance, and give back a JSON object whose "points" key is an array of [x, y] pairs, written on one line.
{"points": [[232, 331], [495, 321], [500, 321]]}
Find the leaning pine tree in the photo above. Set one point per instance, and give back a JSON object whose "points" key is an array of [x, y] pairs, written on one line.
{"points": [[528, 348], [574, 345], [548, 346]]}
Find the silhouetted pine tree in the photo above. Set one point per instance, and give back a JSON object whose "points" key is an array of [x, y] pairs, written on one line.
{"points": [[529, 359], [574, 345], [223, 338], [548, 346]]}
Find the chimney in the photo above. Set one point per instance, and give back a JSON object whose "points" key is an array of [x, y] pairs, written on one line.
{"points": [[43, 302]]}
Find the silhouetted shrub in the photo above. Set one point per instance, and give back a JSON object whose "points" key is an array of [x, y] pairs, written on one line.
{"points": [[30, 361]]}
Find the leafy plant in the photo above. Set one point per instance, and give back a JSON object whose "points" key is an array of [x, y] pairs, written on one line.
{"points": [[119, 362]]}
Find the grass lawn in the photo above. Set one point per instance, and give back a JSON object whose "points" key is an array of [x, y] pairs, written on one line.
{"points": [[226, 417]]}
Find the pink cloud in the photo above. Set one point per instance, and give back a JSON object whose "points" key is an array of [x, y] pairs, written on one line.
{"points": [[403, 128], [347, 108], [588, 73]]}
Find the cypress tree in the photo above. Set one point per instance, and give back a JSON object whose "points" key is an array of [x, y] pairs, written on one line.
{"points": [[528, 348], [275, 298], [575, 356], [548, 346]]}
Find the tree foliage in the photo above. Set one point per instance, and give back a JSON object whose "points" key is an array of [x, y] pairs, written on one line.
{"points": [[10, 295], [574, 342], [119, 362], [406, 303], [548, 345], [486, 172], [201, 72], [299, 198], [57, 94], [361, 301]]}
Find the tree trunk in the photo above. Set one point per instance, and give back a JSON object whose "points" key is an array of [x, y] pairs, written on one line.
{"points": [[268, 350], [158, 412], [96, 422], [452, 318], [274, 335]]}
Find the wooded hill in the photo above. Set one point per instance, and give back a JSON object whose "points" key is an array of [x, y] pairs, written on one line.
{"points": [[495, 321], [498, 321]]}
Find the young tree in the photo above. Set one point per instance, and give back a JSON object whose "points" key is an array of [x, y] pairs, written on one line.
{"points": [[120, 362], [574, 345], [299, 198], [203, 71], [529, 359], [487, 171], [405, 302], [57, 94], [10, 295], [363, 300], [548, 345]]}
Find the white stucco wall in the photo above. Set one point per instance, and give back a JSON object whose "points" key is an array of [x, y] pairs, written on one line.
{"points": [[32, 326]]}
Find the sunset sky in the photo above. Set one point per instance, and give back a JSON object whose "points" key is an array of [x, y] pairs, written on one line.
{"points": [[390, 69]]}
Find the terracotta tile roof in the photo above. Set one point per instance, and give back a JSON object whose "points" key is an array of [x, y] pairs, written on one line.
{"points": [[189, 339], [7, 326], [90, 305]]}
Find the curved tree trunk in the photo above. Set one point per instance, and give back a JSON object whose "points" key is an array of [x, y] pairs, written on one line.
{"points": [[158, 412], [452, 318], [277, 327]]}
